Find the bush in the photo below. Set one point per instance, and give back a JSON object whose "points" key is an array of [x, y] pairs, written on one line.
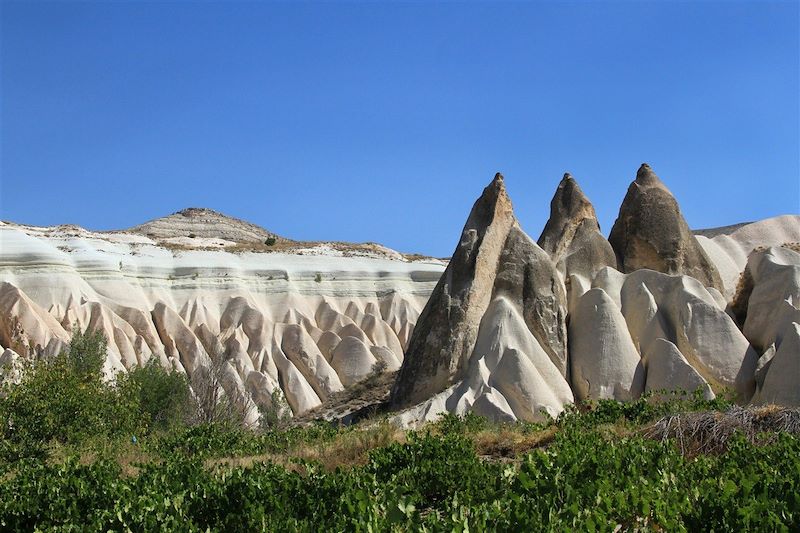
{"points": [[276, 414], [65, 400], [270, 241], [86, 354], [163, 396]]}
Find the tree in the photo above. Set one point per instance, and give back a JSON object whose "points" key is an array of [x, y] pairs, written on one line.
{"points": [[65, 399], [214, 402], [163, 396]]}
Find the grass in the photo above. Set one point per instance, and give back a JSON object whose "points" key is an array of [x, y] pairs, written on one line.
{"points": [[708, 432]]}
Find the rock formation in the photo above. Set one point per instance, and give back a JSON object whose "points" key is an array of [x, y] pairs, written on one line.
{"points": [[780, 379], [603, 358], [498, 282], [651, 232], [668, 371], [773, 302], [730, 247], [307, 324], [572, 234], [198, 222], [772, 322], [660, 326], [448, 326], [499, 335], [681, 310], [509, 376]]}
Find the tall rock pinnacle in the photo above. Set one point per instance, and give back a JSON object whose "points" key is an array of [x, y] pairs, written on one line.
{"points": [[572, 234], [493, 256], [650, 232]]}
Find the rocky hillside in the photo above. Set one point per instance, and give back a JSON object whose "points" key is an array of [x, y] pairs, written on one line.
{"points": [[516, 330], [195, 222], [309, 320], [510, 327]]}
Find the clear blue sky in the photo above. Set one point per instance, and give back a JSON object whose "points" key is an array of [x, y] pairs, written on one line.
{"points": [[383, 122]]}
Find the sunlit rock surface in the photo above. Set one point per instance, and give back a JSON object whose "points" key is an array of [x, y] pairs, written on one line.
{"points": [[309, 321]]}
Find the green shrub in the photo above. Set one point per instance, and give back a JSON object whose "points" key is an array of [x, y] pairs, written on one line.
{"points": [[86, 354], [163, 396], [65, 400], [581, 481]]}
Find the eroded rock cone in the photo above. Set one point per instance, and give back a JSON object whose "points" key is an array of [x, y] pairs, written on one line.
{"points": [[572, 234], [650, 232], [527, 276], [493, 257]]}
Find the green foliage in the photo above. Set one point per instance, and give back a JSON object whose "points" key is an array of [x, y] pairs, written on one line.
{"points": [[163, 396], [276, 414], [64, 400], [86, 354], [451, 424], [216, 440], [581, 482], [646, 409], [270, 241]]}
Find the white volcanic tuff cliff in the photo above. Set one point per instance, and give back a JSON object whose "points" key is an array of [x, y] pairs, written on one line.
{"points": [[677, 309], [730, 249], [773, 323], [310, 324]]}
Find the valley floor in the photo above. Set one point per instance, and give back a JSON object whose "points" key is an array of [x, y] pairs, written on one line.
{"points": [[682, 465]]}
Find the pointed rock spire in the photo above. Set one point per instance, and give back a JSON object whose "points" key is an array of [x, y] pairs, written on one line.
{"points": [[448, 326], [493, 257], [646, 177], [650, 232], [572, 234]]}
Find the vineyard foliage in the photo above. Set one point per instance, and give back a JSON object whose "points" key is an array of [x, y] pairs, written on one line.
{"points": [[79, 454]]}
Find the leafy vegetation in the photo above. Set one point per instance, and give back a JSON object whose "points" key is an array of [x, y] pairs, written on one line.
{"points": [[69, 464], [64, 400], [164, 398]]}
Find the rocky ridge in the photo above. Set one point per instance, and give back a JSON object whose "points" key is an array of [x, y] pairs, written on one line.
{"points": [[662, 322], [509, 328], [308, 322]]}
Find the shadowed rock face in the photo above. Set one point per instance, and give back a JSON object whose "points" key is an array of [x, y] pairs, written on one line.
{"points": [[494, 258], [448, 326], [572, 234], [650, 232]]}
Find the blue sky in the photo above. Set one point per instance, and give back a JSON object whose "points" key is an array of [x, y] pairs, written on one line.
{"points": [[383, 122]]}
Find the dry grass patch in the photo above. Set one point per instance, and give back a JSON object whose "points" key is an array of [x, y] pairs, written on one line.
{"points": [[708, 432], [350, 448], [509, 442]]}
